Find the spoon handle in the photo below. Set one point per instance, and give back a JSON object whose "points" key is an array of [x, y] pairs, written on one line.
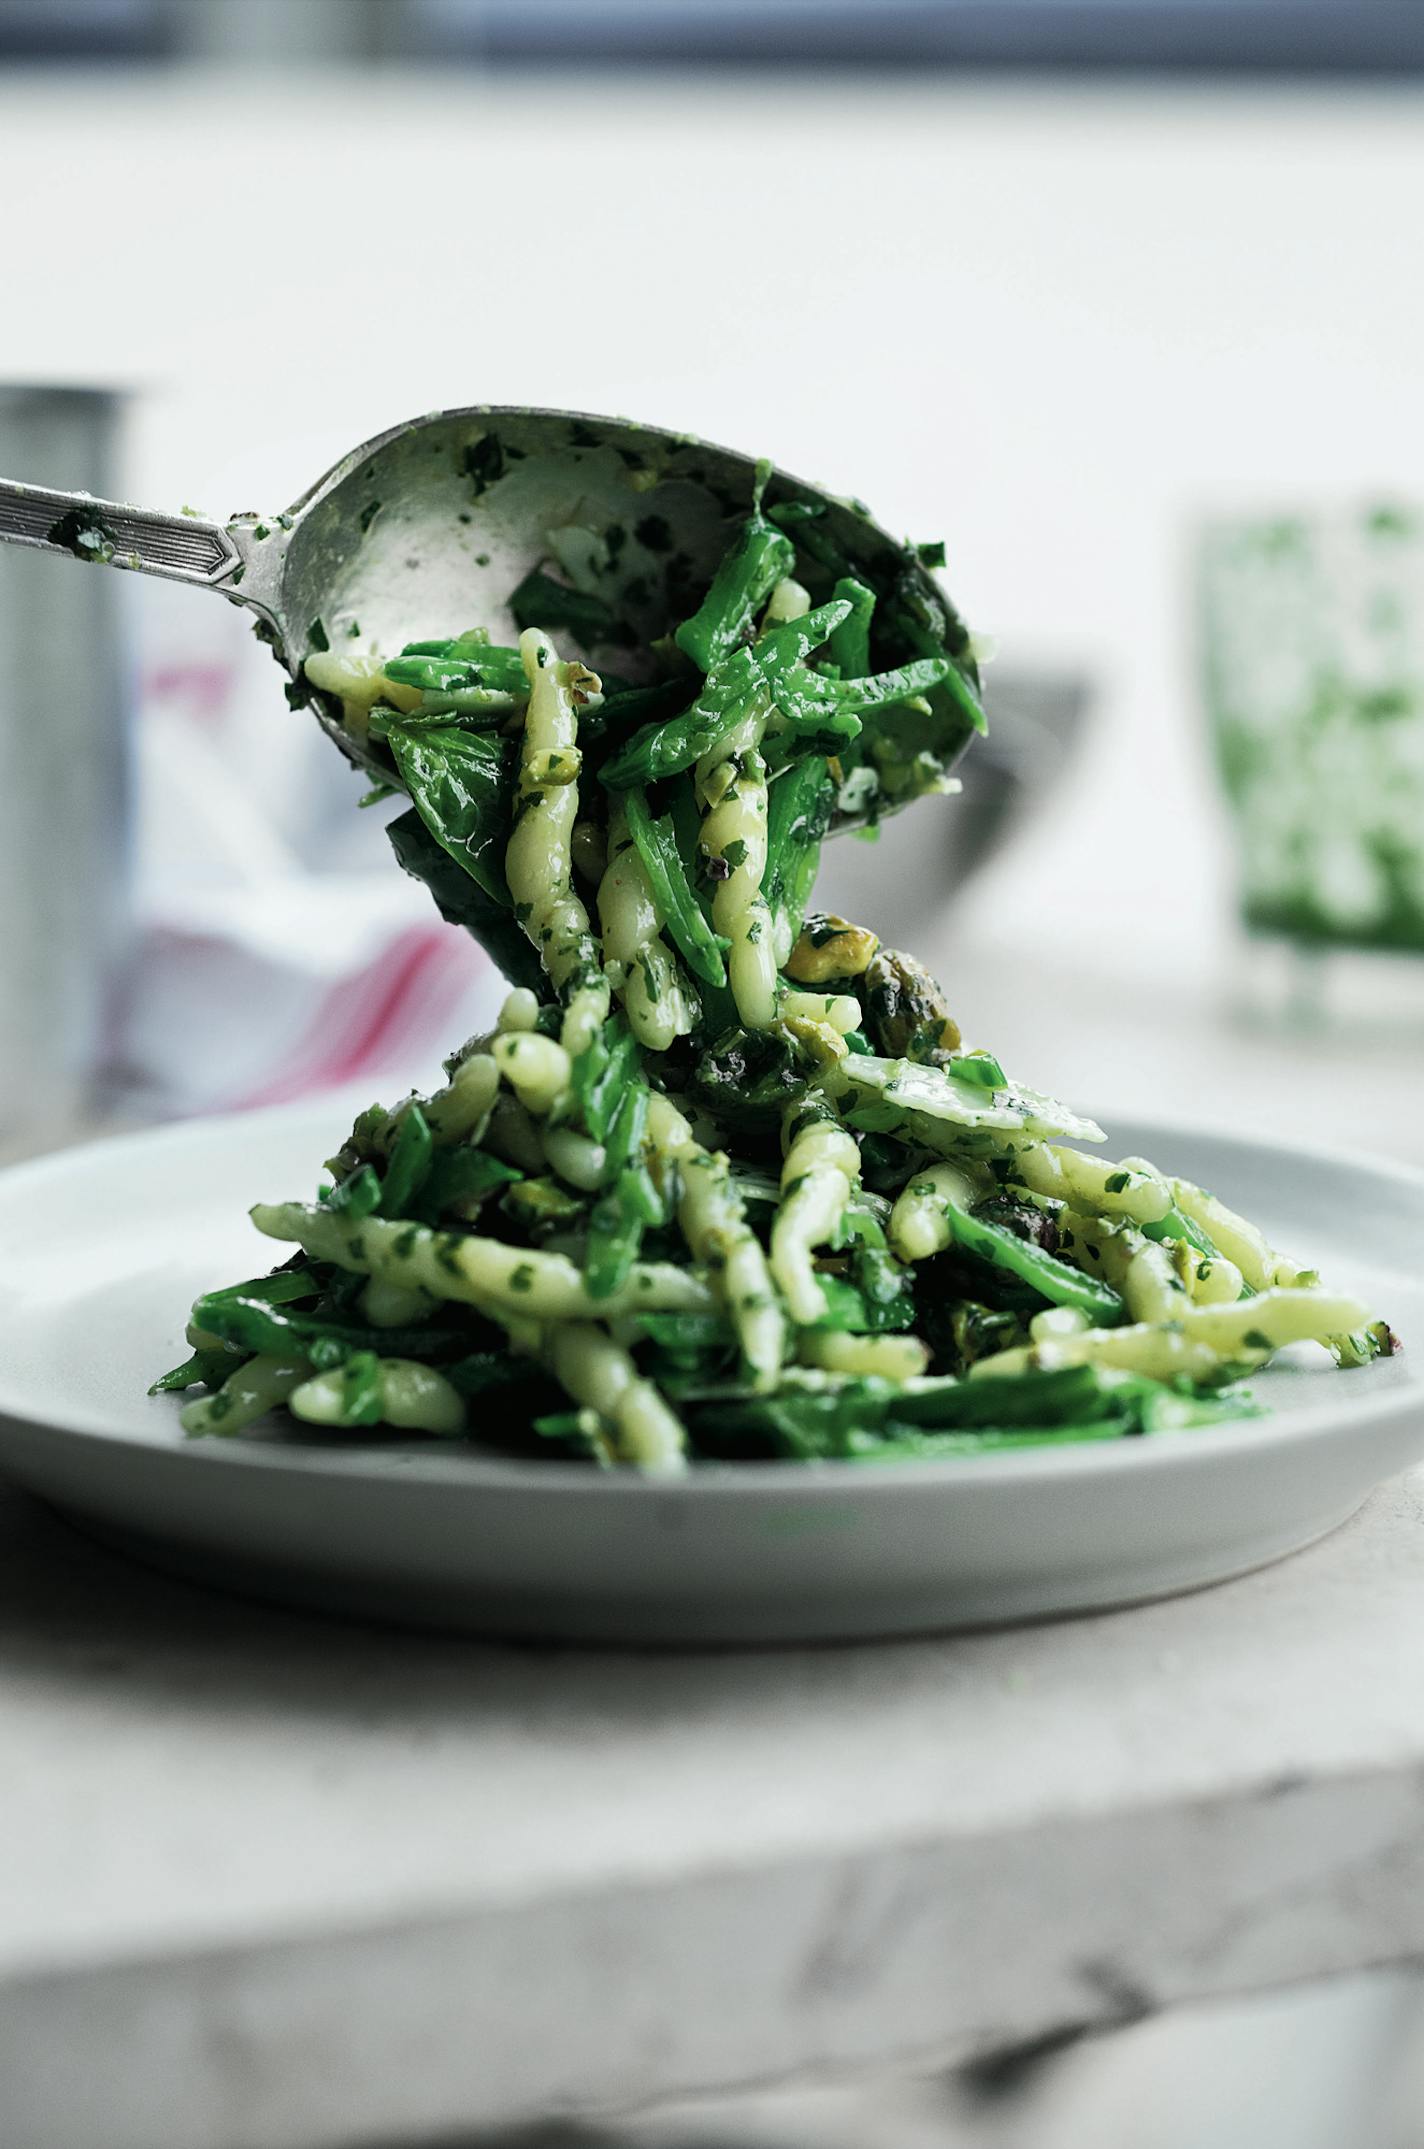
{"points": [[182, 548]]}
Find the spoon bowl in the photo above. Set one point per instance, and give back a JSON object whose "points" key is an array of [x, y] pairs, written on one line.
{"points": [[430, 527]]}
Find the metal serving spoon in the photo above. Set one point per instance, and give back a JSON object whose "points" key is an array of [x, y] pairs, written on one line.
{"points": [[428, 528]]}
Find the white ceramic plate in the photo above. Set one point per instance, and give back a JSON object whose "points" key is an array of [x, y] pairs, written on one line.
{"points": [[103, 1248]]}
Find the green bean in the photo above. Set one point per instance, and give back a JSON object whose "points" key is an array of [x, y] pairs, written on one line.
{"points": [[357, 1195], [615, 1234], [461, 1175], [849, 647], [746, 577], [799, 807], [815, 696], [601, 1073], [660, 750], [490, 670], [206, 1368], [783, 649], [656, 843], [927, 1218], [410, 1164], [279, 1289], [281, 1331]]}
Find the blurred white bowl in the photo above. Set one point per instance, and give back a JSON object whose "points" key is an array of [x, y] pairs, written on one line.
{"points": [[901, 882]]}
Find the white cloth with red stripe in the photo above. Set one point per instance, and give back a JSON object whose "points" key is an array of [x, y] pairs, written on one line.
{"points": [[280, 951]]}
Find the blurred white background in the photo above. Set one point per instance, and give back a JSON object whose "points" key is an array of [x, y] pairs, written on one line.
{"points": [[1050, 323], [1050, 320]]}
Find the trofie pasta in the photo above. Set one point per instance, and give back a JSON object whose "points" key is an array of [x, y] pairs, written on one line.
{"points": [[725, 1181]]}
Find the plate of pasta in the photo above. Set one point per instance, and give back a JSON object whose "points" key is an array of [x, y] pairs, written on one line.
{"points": [[500, 1530], [726, 1289]]}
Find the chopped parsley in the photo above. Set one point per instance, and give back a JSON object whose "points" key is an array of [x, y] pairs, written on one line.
{"points": [[82, 531], [483, 463], [654, 533]]}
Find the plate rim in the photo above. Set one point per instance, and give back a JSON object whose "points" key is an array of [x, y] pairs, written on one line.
{"points": [[817, 1480]]}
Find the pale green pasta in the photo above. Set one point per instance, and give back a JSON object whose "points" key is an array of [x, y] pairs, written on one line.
{"points": [[583, 1163], [1133, 1189], [246, 1395], [456, 1113], [919, 1225], [538, 863], [476, 1271], [598, 1373], [723, 1183], [839, 1009], [513, 1135], [1231, 1234], [1142, 1269], [358, 683], [1211, 1278], [391, 1305], [720, 1238], [536, 1068], [1163, 1354], [789, 600], [1199, 1341], [413, 1397], [731, 784], [821, 1170], [648, 980], [520, 1010], [863, 1357]]}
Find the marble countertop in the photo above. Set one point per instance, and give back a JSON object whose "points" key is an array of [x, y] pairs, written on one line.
{"points": [[271, 1883]]}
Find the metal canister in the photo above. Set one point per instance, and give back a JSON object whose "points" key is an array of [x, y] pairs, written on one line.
{"points": [[64, 776]]}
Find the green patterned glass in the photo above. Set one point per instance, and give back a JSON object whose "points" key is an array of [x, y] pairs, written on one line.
{"points": [[1313, 663]]}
